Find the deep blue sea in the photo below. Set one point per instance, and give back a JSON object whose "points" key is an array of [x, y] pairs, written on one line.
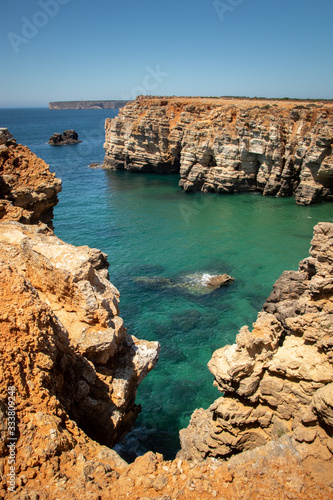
{"points": [[150, 228]]}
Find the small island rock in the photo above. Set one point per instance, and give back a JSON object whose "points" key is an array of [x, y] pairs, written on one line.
{"points": [[67, 137]]}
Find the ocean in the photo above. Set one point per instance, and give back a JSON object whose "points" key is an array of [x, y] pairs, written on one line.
{"points": [[160, 242]]}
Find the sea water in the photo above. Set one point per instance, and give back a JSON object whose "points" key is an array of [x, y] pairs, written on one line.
{"points": [[150, 230]]}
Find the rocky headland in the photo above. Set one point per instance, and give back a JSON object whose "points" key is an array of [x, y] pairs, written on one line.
{"points": [[69, 371], [64, 139], [277, 147], [87, 104]]}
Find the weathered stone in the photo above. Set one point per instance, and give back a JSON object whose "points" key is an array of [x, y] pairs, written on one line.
{"points": [[28, 190], [85, 304], [227, 145], [277, 378], [323, 403]]}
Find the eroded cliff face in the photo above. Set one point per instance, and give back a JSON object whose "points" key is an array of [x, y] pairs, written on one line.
{"points": [[226, 146], [278, 378], [72, 284], [69, 371], [28, 190]]}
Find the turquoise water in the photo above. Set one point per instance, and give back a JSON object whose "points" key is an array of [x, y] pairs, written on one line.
{"points": [[149, 227]]}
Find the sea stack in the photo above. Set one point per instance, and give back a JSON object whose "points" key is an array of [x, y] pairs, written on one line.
{"points": [[64, 139]]}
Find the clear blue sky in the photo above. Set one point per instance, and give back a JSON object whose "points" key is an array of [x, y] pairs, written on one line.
{"points": [[55, 50]]}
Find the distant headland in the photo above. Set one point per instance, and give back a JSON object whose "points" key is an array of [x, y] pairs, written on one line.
{"points": [[87, 104]]}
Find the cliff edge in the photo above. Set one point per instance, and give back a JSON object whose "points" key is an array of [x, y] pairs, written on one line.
{"points": [[28, 190], [280, 148], [69, 372]]}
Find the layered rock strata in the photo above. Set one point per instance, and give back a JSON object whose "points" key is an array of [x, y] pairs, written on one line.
{"points": [[279, 148], [28, 190], [278, 378]]}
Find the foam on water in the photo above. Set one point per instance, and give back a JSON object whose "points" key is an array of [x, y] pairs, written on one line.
{"points": [[206, 277]]}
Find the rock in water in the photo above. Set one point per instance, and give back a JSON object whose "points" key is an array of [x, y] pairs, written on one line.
{"points": [[195, 284], [4, 135], [218, 281], [67, 137]]}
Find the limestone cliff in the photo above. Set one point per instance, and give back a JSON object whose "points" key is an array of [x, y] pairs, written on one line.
{"points": [[69, 373], [73, 282], [278, 378], [277, 147], [28, 190], [67, 383]]}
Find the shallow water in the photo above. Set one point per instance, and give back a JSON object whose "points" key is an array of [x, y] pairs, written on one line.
{"points": [[151, 228]]}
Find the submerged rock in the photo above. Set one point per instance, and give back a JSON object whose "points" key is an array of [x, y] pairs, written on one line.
{"points": [[196, 284], [67, 137]]}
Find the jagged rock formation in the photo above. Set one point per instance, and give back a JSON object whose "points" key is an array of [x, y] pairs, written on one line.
{"points": [[69, 370], [278, 378], [64, 139], [72, 282], [228, 145], [28, 190]]}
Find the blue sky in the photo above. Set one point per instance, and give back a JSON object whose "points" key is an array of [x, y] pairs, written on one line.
{"points": [[55, 50]]}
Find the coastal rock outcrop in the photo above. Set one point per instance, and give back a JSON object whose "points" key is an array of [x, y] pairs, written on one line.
{"points": [[28, 190], [72, 284], [277, 147], [64, 139], [69, 373], [278, 378]]}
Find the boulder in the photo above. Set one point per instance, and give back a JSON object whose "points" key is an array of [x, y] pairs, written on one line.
{"points": [[217, 281]]}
